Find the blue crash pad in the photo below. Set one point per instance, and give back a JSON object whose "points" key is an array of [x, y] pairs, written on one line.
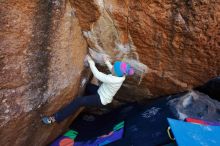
{"points": [[190, 134]]}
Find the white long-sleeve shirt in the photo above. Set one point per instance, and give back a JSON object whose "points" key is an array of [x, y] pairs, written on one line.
{"points": [[110, 84]]}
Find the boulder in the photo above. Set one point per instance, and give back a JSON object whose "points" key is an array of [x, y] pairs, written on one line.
{"points": [[177, 41], [41, 61], [173, 46]]}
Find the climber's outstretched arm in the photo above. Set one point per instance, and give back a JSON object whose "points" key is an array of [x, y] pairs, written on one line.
{"points": [[109, 65], [99, 75], [107, 62]]}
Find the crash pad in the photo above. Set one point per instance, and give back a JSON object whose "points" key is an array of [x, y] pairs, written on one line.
{"points": [[190, 134], [69, 138]]}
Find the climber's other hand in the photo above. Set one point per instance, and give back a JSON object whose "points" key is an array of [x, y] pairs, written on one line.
{"points": [[106, 58]]}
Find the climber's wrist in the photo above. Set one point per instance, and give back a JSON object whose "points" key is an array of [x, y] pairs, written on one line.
{"points": [[91, 62]]}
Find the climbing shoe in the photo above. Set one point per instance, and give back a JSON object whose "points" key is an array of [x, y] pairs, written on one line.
{"points": [[48, 120]]}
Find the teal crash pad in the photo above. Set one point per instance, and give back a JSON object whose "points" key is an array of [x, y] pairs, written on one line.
{"points": [[190, 134]]}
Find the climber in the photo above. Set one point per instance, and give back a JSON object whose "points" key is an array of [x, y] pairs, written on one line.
{"points": [[99, 96]]}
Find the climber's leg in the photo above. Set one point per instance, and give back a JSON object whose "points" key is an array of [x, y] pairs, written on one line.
{"points": [[91, 89], [92, 99], [94, 81], [87, 101]]}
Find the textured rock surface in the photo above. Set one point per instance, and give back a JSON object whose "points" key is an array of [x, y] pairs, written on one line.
{"points": [[178, 40], [40, 67], [42, 51]]}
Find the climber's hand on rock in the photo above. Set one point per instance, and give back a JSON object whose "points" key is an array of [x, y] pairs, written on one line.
{"points": [[106, 58], [86, 60]]}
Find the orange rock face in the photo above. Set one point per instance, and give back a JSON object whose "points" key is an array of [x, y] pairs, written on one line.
{"points": [[40, 69], [178, 40]]}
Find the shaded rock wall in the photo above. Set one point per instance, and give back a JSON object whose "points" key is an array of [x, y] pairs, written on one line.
{"points": [[41, 60], [178, 40]]}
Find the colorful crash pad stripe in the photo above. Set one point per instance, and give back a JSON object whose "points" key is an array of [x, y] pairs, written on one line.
{"points": [[102, 140], [203, 122], [68, 139], [119, 126], [71, 134]]}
